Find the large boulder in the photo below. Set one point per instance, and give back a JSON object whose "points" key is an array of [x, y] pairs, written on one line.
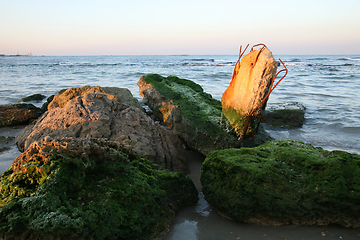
{"points": [[94, 115], [18, 114], [88, 189], [283, 182], [122, 95], [189, 112], [245, 99]]}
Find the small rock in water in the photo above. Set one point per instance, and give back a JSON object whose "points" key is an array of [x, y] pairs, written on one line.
{"points": [[17, 114], [287, 114], [34, 97]]}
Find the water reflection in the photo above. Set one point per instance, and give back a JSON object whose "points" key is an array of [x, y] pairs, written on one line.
{"points": [[185, 230], [203, 207]]}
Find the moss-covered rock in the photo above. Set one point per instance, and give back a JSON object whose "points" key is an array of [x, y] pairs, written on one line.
{"points": [[44, 107], [34, 97], [88, 189], [188, 111], [287, 114], [284, 182]]}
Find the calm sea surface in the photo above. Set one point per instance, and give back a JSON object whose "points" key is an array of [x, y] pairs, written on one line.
{"points": [[328, 86]]}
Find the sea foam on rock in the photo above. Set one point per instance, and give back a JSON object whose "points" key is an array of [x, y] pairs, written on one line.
{"points": [[283, 182], [88, 189]]}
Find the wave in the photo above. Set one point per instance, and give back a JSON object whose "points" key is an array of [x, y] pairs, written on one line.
{"points": [[321, 65], [293, 60], [84, 64], [213, 64], [348, 59], [201, 60], [318, 59], [297, 65]]}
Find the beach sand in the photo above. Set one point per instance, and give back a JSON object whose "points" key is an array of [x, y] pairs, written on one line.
{"points": [[201, 222]]}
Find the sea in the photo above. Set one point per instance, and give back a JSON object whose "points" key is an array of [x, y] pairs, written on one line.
{"points": [[327, 85]]}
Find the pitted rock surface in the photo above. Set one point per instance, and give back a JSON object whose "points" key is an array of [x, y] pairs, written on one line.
{"points": [[94, 115]]}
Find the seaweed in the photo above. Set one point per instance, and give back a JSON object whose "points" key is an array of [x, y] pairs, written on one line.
{"points": [[283, 182], [114, 195], [199, 109]]}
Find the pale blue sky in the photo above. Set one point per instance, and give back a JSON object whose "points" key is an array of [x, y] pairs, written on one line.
{"points": [[92, 27]]}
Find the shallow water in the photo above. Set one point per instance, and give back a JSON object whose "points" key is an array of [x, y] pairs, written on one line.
{"points": [[327, 86]]}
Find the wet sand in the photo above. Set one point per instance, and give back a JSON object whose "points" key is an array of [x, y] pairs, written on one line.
{"points": [[201, 222]]}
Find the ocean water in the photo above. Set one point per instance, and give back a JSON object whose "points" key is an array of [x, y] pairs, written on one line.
{"points": [[328, 86]]}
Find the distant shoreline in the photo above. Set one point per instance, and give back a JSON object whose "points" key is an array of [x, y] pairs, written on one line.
{"points": [[3, 55]]}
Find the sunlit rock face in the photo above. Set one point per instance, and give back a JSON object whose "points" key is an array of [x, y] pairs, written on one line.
{"points": [[122, 95], [251, 82], [94, 115]]}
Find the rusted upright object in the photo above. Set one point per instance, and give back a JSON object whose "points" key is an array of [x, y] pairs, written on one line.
{"points": [[244, 101]]}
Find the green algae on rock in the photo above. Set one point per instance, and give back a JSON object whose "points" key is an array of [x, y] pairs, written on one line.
{"points": [[188, 111], [34, 97], [192, 114], [283, 182], [88, 189], [287, 114]]}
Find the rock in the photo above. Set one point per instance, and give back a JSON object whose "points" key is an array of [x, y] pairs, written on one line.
{"points": [[34, 97], [88, 189], [188, 111], [94, 115], [284, 182], [289, 114], [251, 82], [44, 107], [17, 114], [122, 95]]}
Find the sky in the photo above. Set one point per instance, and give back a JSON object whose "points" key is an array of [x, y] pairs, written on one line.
{"points": [[167, 27]]}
